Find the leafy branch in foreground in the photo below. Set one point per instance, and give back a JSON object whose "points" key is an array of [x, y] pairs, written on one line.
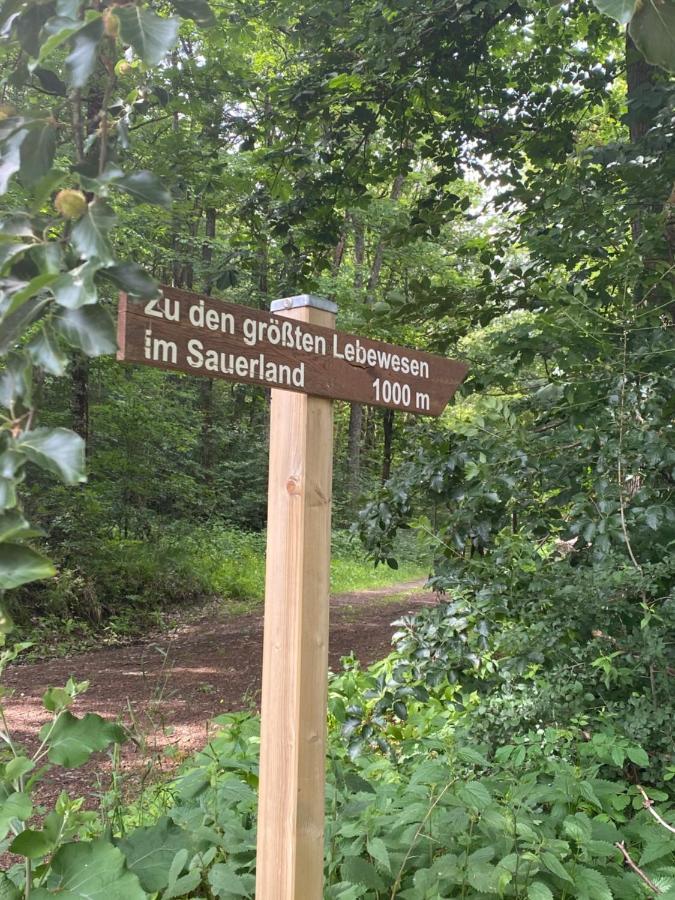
{"points": [[64, 129]]}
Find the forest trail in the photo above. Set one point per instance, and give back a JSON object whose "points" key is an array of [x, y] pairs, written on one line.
{"points": [[169, 687]]}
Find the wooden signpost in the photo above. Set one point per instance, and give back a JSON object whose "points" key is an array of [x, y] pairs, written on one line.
{"points": [[295, 351]]}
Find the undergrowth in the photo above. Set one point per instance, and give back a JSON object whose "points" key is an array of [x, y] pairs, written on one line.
{"points": [[120, 587]]}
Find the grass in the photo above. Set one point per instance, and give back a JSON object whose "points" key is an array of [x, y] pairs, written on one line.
{"points": [[234, 564], [124, 589], [347, 575]]}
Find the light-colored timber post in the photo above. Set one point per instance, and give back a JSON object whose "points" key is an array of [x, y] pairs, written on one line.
{"points": [[295, 654]]}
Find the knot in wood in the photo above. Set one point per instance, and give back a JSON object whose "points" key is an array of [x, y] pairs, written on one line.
{"points": [[293, 485]]}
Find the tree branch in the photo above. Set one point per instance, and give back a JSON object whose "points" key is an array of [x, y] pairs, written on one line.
{"points": [[638, 871], [649, 806]]}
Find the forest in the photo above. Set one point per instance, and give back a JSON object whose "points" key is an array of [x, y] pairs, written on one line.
{"points": [[492, 181]]}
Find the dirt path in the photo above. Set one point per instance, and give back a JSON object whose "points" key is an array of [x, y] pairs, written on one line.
{"points": [[170, 687]]}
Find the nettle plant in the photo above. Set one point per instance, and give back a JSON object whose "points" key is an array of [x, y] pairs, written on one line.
{"points": [[72, 76]]}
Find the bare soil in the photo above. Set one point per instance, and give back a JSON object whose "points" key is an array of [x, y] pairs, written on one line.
{"points": [[168, 687]]}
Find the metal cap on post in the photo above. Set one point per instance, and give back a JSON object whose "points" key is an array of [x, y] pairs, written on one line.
{"points": [[300, 301]]}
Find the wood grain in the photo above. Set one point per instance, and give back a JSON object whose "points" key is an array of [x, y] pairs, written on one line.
{"points": [[295, 649]]}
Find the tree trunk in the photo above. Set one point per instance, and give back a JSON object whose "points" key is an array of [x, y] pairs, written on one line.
{"points": [[388, 429], [378, 259], [79, 366], [639, 78], [206, 384], [79, 397], [354, 451], [207, 248], [355, 409], [338, 254]]}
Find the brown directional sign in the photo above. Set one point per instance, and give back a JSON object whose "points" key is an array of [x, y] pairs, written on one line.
{"points": [[192, 333]]}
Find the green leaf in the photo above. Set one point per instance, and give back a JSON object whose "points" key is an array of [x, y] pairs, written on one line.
{"points": [[7, 493], [183, 885], [17, 806], [57, 30], [653, 517], [378, 850], [57, 450], [12, 525], [475, 795], [578, 827], [45, 352], [554, 866], [150, 852], [48, 257], [24, 291], [197, 10], [16, 225], [76, 288], [20, 565], [10, 157], [400, 709], [18, 767], [29, 25], [591, 885], [10, 463], [469, 755], [589, 794], [359, 871], [11, 252], [68, 8], [150, 35], [344, 891], [656, 849], [91, 233], [621, 10], [50, 81], [89, 871], [8, 890], [16, 382], [71, 741], [638, 756], [81, 61], [132, 278], [225, 882], [539, 891], [653, 30], [37, 152], [90, 329], [32, 844], [178, 864], [144, 187]]}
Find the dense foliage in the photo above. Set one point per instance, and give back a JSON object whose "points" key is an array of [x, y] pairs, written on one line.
{"points": [[492, 180]]}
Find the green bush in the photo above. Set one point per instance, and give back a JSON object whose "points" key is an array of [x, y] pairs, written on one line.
{"points": [[132, 579]]}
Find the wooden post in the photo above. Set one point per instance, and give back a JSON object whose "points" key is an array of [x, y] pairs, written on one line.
{"points": [[290, 848]]}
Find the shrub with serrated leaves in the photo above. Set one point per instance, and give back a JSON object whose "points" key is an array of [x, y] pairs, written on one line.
{"points": [[524, 822]]}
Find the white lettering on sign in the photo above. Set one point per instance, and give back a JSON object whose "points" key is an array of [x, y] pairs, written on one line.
{"points": [[244, 367], [163, 308], [212, 319], [196, 334], [159, 350], [355, 352], [285, 334], [397, 393]]}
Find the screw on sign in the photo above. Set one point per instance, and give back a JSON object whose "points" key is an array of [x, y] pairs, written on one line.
{"points": [[295, 351]]}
